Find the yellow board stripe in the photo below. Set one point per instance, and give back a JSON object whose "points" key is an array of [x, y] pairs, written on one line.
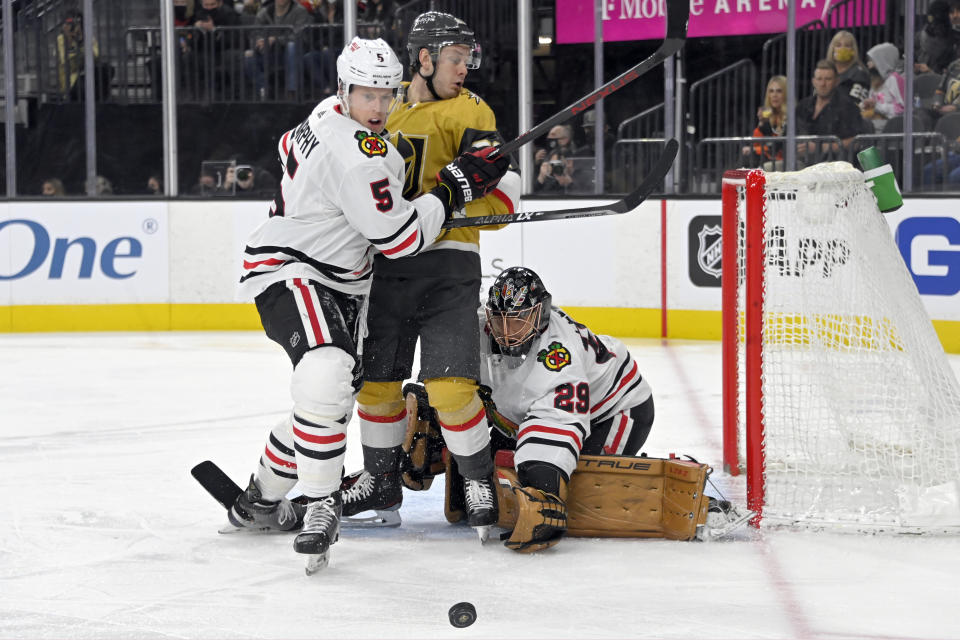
{"points": [[614, 321]]}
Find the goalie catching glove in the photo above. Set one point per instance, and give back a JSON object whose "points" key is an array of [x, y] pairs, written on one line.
{"points": [[471, 175]]}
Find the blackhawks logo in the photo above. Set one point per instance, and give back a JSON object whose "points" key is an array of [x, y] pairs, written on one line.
{"points": [[371, 144], [554, 357]]}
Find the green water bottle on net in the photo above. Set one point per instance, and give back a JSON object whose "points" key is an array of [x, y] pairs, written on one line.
{"points": [[881, 180]]}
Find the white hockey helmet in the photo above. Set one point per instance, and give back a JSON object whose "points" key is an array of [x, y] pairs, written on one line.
{"points": [[368, 63]]}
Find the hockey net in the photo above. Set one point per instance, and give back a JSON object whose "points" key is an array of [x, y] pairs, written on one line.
{"points": [[839, 401]]}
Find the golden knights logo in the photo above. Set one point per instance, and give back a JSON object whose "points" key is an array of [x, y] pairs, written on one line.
{"points": [[555, 357], [371, 144]]}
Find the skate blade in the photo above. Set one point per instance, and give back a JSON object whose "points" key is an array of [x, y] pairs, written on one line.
{"points": [[382, 518], [483, 532], [317, 562], [706, 534], [230, 528]]}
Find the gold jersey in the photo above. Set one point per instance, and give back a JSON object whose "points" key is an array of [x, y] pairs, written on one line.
{"points": [[431, 134]]}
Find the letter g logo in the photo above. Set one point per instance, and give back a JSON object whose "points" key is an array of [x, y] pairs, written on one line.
{"points": [[940, 270]]}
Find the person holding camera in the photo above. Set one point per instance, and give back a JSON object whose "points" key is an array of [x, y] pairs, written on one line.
{"points": [[250, 182], [554, 170]]}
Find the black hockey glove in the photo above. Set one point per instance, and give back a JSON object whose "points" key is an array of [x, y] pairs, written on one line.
{"points": [[470, 176]]}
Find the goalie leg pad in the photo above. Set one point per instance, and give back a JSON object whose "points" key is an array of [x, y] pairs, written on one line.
{"points": [[423, 443], [541, 520], [623, 497]]}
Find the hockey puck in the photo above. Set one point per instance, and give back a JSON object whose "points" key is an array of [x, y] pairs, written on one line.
{"points": [[462, 614]]}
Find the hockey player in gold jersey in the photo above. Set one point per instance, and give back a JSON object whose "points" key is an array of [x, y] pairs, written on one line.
{"points": [[431, 297]]}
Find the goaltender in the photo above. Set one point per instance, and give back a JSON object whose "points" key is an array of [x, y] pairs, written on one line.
{"points": [[562, 399]]}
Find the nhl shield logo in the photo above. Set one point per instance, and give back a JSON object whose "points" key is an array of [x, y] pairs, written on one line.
{"points": [[709, 250]]}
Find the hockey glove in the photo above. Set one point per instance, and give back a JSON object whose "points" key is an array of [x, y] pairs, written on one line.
{"points": [[470, 176], [541, 521], [423, 444]]}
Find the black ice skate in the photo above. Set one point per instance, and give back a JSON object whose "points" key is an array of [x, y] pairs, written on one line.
{"points": [[723, 517], [380, 493], [321, 528], [480, 501], [250, 512]]}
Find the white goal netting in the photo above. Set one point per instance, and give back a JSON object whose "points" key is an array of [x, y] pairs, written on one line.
{"points": [[861, 409]]}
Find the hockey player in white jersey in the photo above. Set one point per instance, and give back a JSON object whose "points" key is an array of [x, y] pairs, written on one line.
{"points": [[308, 268], [559, 391]]}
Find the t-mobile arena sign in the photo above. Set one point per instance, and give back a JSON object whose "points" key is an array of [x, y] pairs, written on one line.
{"points": [[644, 19]]}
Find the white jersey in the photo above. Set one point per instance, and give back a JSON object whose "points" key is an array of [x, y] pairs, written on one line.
{"points": [[339, 201], [569, 379]]}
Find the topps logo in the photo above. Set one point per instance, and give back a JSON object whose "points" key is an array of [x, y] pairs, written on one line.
{"points": [[462, 180], [616, 464]]}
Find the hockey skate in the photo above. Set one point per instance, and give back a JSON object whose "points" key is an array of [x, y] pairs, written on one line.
{"points": [[250, 512], [480, 502], [381, 494], [321, 528], [723, 518]]}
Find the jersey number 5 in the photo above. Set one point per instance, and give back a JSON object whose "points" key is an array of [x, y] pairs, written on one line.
{"points": [[566, 393], [382, 195]]}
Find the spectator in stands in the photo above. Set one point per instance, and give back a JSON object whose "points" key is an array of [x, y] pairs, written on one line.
{"points": [[589, 127], [888, 87], [556, 174], [771, 122], [937, 44], [183, 13], [251, 182], [247, 10], [226, 47], [321, 63], [155, 185], [378, 18], [275, 52], [207, 184], [182, 17], [53, 187], [826, 113], [560, 140], [940, 104], [70, 61], [102, 186], [853, 79]]}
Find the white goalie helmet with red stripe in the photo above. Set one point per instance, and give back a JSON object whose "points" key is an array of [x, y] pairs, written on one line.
{"points": [[366, 63], [518, 310]]}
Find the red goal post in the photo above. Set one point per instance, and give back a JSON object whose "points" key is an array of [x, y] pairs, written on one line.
{"points": [[838, 401]]}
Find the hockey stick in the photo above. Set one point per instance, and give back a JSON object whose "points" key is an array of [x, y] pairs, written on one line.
{"points": [[628, 203], [218, 484], [678, 12]]}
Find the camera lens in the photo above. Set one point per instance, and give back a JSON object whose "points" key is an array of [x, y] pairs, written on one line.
{"points": [[557, 167], [243, 174]]}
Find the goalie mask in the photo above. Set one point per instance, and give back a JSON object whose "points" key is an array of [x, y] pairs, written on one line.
{"points": [[518, 310], [367, 63], [433, 31]]}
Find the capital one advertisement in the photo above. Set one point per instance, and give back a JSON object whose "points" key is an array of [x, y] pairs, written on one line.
{"points": [[644, 19], [83, 253]]}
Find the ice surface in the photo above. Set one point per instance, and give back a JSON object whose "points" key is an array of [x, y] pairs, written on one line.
{"points": [[104, 534]]}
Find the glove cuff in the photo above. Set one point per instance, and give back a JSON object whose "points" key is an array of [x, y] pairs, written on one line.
{"points": [[443, 193]]}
